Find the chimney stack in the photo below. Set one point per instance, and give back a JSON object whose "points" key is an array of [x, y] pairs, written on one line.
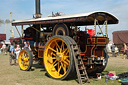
{"points": [[37, 9]]}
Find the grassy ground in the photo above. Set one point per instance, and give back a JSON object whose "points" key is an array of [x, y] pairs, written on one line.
{"points": [[12, 75]]}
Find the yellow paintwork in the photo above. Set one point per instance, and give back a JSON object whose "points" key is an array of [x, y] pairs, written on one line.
{"points": [[57, 58], [23, 60]]}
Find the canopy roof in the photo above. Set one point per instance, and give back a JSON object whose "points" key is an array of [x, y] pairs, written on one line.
{"points": [[78, 19], [120, 37]]}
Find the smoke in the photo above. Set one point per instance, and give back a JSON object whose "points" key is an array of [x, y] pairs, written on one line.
{"points": [[7, 21], [1, 22]]}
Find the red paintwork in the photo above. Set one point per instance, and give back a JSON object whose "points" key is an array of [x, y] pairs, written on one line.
{"points": [[1, 45], [82, 54], [2, 37]]}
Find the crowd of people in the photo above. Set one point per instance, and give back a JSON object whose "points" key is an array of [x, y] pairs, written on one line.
{"points": [[115, 51], [14, 51]]}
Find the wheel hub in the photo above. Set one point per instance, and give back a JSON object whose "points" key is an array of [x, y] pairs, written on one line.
{"points": [[59, 57], [26, 59]]}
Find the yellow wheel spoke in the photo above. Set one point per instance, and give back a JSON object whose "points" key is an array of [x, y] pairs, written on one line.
{"points": [[26, 64], [67, 60], [65, 50], [64, 67], [57, 44], [58, 66], [67, 53], [22, 56], [54, 65], [25, 54], [23, 63], [52, 49], [66, 63], [50, 57], [59, 70], [57, 49], [49, 61], [53, 54], [54, 62], [65, 57], [62, 46]]}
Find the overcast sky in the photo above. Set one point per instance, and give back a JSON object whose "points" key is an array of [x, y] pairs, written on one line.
{"points": [[24, 9]]}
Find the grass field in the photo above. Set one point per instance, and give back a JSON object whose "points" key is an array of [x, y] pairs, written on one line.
{"points": [[12, 75]]}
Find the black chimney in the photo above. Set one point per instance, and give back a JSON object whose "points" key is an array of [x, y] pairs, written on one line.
{"points": [[38, 14]]}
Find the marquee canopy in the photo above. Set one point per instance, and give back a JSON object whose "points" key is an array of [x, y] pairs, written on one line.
{"points": [[77, 19]]}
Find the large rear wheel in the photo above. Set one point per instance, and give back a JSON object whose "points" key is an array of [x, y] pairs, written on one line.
{"points": [[58, 57], [25, 60]]}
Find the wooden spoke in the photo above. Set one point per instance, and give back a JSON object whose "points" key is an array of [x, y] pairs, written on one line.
{"points": [[51, 57], [54, 65], [57, 49], [62, 46], [49, 61], [54, 62], [52, 49], [65, 57], [25, 54], [58, 65], [68, 60], [26, 64], [59, 69], [53, 54], [64, 67], [66, 63], [67, 53], [65, 50], [57, 44]]}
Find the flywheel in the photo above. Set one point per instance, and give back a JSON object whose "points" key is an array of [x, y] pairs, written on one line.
{"points": [[61, 29]]}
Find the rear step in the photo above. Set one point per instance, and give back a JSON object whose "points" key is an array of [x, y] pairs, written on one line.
{"points": [[80, 68]]}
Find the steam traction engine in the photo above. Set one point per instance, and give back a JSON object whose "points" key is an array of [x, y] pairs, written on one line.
{"points": [[57, 39]]}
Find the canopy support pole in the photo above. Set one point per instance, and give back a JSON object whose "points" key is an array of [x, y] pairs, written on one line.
{"points": [[34, 28], [18, 31], [22, 30], [95, 26], [106, 30]]}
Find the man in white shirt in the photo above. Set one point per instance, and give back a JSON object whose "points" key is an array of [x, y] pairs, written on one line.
{"points": [[4, 48]]}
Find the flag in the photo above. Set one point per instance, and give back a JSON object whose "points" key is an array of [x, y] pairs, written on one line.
{"points": [[91, 33]]}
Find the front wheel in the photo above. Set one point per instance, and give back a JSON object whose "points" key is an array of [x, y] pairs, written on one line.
{"points": [[25, 60]]}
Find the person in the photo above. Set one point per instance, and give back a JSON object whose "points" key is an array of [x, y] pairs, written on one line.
{"points": [[113, 50], [116, 51], [0, 50], [25, 45], [12, 53], [125, 50], [17, 51], [4, 48], [29, 46]]}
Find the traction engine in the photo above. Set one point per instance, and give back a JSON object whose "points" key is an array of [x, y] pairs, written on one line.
{"points": [[51, 39]]}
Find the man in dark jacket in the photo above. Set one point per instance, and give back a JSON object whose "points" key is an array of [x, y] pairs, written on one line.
{"points": [[12, 54], [113, 50]]}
